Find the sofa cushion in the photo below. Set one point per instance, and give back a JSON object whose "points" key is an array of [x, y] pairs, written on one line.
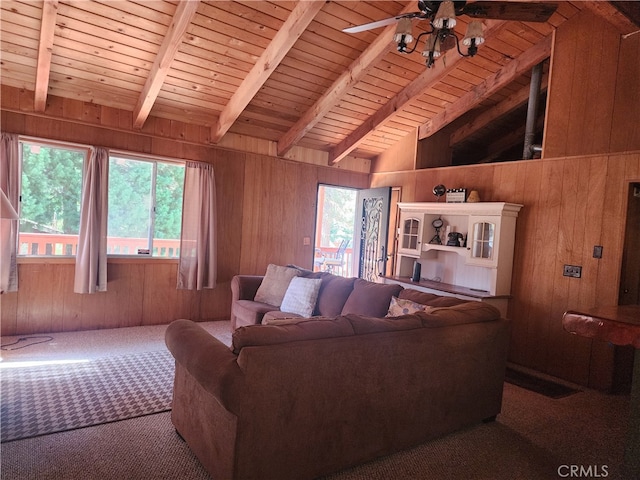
{"points": [[370, 299], [333, 294], [249, 312], [275, 316], [301, 296], [363, 325], [467, 312], [275, 283], [292, 331], [429, 298], [402, 306]]}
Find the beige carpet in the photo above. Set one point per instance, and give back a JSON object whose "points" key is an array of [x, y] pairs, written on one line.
{"points": [[535, 438]]}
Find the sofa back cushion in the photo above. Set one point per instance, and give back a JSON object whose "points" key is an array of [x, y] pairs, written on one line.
{"points": [[363, 325], [429, 298], [467, 312], [292, 331], [333, 294], [370, 299]]}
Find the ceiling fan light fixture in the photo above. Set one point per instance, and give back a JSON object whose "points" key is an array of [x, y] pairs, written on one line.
{"points": [[474, 34], [403, 31], [446, 15], [432, 46]]}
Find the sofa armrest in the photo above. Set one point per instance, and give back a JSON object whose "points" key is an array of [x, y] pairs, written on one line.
{"points": [[244, 287], [209, 361]]}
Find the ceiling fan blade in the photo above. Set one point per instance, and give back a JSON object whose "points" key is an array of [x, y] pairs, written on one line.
{"points": [[380, 23], [517, 11]]}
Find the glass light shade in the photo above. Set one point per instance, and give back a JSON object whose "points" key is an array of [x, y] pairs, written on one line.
{"points": [[474, 32], [432, 45], [446, 13], [403, 29], [7, 210]]}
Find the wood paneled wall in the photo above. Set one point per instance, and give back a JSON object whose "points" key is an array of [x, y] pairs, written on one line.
{"points": [[266, 207], [592, 103], [570, 205]]}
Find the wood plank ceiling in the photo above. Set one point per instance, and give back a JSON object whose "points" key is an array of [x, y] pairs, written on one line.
{"points": [[281, 71]]}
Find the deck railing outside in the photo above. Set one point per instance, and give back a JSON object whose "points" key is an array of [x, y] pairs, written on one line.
{"points": [[330, 252], [61, 244]]}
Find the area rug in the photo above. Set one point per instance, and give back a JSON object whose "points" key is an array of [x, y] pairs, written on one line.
{"points": [[43, 399], [539, 385]]}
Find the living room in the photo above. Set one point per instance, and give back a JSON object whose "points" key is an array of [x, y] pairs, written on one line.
{"points": [[574, 198]]}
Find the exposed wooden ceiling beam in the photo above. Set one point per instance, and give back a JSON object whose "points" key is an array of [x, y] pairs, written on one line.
{"points": [[611, 12], [423, 82], [352, 75], [508, 105], [179, 24], [297, 22], [45, 49], [491, 85]]}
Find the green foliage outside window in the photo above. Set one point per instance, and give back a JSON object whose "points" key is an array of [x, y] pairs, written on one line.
{"points": [[51, 189], [338, 215]]}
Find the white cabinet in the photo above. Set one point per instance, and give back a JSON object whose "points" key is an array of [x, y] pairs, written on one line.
{"points": [[410, 233], [474, 250]]}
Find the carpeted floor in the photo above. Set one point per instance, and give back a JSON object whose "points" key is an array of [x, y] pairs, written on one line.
{"points": [[534, 438]]}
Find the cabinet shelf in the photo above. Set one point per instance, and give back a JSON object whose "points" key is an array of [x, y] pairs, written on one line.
{"points": [[444, 248]]}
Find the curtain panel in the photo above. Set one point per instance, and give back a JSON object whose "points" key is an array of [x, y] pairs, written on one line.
{"points": [[198, 261], [10, 186], [91, 257]]}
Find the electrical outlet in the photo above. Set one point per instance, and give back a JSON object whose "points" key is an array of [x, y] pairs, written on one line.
{"points": [[572, 271]]}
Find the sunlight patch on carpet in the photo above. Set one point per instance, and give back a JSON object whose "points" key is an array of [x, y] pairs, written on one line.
{"points": [[42, 399]]}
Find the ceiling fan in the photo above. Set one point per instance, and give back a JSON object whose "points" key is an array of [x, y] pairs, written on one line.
{"points": [[442, 18]]}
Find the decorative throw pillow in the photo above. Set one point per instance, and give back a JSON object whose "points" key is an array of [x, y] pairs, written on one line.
{"points": [[370, 299], [274, 284], [399, 306], [301, 296]]}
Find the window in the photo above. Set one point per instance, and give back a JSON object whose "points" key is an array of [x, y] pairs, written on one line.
{"points": [[50, 199], [145, 207]]}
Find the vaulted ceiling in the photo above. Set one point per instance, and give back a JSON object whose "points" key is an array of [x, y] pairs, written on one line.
{"points": [[276, 70]]}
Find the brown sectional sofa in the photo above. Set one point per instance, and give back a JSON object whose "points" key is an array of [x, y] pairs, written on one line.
{"points": [[308, 397], [338, 295]]}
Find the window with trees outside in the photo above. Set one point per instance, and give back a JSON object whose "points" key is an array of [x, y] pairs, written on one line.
{"points": [[144, 209], [51, 187]]}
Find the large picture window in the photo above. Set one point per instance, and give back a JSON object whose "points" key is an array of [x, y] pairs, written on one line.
{"points": [[145, 207], [50, 199]]}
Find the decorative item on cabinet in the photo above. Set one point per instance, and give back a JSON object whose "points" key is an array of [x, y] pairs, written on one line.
{"points": [[416, 271], [473, 197], [456, 195], [437, 224], [455, 239], [439, 191]]}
